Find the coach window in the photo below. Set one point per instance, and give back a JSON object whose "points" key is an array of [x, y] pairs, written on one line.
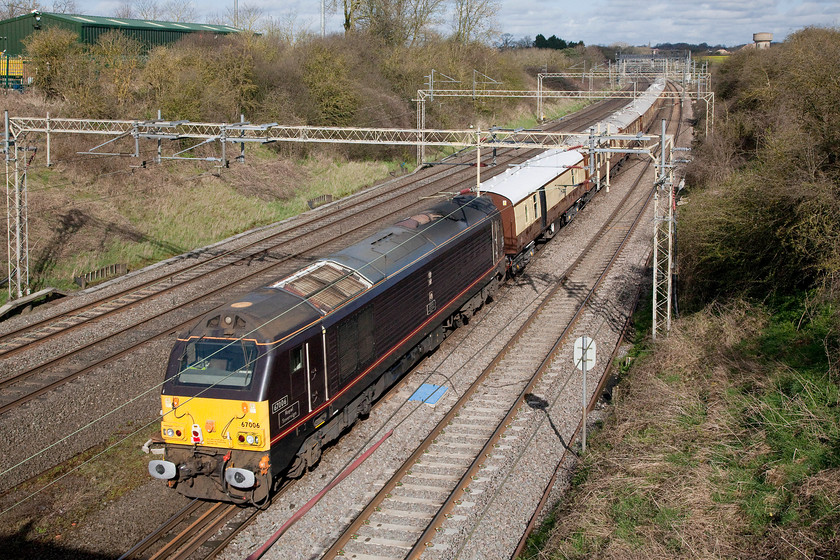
{"points": [[536, 208]]}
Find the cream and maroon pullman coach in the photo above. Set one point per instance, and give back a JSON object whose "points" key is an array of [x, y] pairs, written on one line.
{"points": [[536, 198]]}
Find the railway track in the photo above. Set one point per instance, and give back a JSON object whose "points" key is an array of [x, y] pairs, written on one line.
{"points": [[407, 512], [199, 530], [419, 511], [287, 248], [29, 335], [423, 509], [196, 533], [38, 331]]}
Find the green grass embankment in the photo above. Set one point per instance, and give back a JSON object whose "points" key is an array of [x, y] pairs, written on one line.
{"points": [[723, 442]]}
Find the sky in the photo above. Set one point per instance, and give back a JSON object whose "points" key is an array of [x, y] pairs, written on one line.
{"points": [[597, 22]]}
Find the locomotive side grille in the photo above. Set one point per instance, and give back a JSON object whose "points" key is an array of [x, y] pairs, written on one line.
{"points": [[336, 294], [327, 299]]}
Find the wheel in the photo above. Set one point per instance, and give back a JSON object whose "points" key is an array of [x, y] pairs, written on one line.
{"points": [[551, 231]]}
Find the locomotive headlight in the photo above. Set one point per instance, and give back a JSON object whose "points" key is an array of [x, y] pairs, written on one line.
{"points": [[171, 431], [250, 438]]}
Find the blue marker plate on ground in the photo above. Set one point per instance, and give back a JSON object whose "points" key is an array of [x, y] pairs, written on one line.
{"points": [[428, 393]]}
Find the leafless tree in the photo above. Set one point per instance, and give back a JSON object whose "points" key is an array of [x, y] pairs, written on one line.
{"points": [[524, 43], [125, 10], [351, 11], [505, 42], [248, 18], [179, 10], [474, 19], [15, 8], [424, 14], [148, 9], [398, 22], [287, 28], [65, 7]]}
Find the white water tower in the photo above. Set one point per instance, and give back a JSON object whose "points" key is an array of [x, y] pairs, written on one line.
{"points": [[762, 40]]}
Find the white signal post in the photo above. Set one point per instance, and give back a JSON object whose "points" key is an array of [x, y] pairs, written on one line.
{"points": [[584, 358]]}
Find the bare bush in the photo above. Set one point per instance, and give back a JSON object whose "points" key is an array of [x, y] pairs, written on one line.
{"points": [[53, 52], [767, 222]]}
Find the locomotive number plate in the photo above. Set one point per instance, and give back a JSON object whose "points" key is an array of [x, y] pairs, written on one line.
{"points": [[277, 406]]}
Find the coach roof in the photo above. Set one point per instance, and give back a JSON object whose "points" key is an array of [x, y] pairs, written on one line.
{"points": [[520, 181]]}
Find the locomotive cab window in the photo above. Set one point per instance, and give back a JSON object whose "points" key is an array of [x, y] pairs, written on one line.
{"points": [[296, 359], [297, 381], [218, 363]]}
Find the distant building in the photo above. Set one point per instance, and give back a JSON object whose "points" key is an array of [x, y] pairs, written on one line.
{"points": [[762, 40], [151, 33]]}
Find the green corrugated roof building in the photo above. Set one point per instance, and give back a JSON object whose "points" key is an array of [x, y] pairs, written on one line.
{"points": [[151, 33]]}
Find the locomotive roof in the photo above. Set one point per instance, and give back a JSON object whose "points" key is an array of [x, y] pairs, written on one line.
{"points": [[260, 314], [520, 181], [303, 297], [331, 281], [389, 250]]}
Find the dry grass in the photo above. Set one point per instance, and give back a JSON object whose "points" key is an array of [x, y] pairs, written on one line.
{"points": [[54, 504], [87, 213], [688, 465]]}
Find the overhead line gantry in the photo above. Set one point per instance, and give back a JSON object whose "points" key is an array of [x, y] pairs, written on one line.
{"points": [[158, 130]]}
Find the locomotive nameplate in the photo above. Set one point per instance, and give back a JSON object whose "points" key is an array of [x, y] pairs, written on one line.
{"points": [[289, 414]]}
